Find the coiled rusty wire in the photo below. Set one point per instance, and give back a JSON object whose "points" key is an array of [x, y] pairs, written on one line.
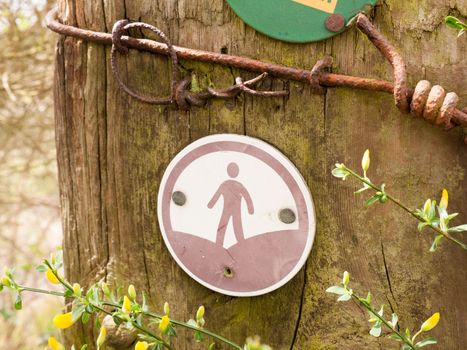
{"points": [[432, 103]]}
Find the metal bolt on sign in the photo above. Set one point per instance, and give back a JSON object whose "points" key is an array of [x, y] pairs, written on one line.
{"points": [[432, 103]]}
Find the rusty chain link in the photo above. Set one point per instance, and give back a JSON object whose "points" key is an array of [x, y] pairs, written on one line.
{"points": [[429, 102]]}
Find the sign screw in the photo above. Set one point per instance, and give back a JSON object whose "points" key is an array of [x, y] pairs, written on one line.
{"points": [[287, 216], [228, 272], [335, 22], [179, 198]]}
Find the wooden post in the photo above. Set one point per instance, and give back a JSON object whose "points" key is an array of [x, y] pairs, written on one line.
{"points": [[112, 152]]}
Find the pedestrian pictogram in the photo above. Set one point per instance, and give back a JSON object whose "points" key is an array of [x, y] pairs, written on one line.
{"points": [[236, 214]]}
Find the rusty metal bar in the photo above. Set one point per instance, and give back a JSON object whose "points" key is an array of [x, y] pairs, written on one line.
{"points": [[448, 114]]}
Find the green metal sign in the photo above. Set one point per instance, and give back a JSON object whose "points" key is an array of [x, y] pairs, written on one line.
{"points": [[298, 21]]}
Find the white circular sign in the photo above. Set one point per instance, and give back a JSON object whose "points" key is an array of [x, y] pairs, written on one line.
{"points": [[236, 215]]}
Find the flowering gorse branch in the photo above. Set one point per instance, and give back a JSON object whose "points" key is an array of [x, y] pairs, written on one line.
{"points": [[155, 331], [378, 320], [430, 215]]}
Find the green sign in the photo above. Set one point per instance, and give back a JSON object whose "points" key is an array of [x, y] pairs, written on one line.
{"points": [[298, 21]]}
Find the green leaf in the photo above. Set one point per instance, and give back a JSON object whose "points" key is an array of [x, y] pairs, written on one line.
{"points": [[84, 347], [41, 268], [432, 212], [18, 302], [454, 23], [460, 228], [375, 331], [406, 347], [337, 290], [117, 320], [212, 346], [192, 323], [59, 259], [77, 311], [394, 320], [436, 241], [372, 200], [425, 342], [345, 297], [85, 317], [198, 336], [340, 173], [364, 188], [407, 333], [422, 225]]}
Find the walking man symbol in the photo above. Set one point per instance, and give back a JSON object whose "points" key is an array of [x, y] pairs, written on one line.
{"points": [[232, 192]]}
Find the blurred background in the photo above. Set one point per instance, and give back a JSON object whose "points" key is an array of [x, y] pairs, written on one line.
{"points": [[29, 212]]}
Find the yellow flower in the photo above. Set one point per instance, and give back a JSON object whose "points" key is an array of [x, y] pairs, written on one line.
{"points": [[366, 160], [430, 323], [132, 292], [200, 313], [55, 345], [6, 281], [77, 289], [164, 324], [63, 321], [427, 206], [166, 308], [51, 277], [346, 278], [443, 203], [126, 307], [141, 345], [101, 338]]}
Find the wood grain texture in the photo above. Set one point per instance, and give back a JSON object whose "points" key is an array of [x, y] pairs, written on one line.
{"points": [[113, 150]]}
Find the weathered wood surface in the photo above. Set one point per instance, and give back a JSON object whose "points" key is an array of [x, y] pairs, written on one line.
{"points": [[112, 151]]}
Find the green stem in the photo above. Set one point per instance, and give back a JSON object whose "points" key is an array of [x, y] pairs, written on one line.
{"points": [[407, 209], [40, 291], [186, 325], [134, 324], [386, 323], [67, 285], [97, 307]]}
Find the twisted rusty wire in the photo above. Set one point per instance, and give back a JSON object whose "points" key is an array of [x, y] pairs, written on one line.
{"points": [[429, 102], [179, 88]]}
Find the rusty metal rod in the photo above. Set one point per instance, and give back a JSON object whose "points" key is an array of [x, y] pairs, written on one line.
{"points": [[325, 79]]}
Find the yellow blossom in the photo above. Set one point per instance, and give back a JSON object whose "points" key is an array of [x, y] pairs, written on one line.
{"points": [[443, 203], [166, 308], [126, 307], [366, 160], [132, 292], [141, 345], [51, 277], [430, 323], [55, 345], [63, 321], [6, 281], [77, 289], [200, 313], [101, 338], [346, 279], [427, 206], [164, 324]]}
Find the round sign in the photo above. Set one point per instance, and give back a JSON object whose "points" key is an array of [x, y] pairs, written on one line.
{"points": [[236, 215], [298, 21]]}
